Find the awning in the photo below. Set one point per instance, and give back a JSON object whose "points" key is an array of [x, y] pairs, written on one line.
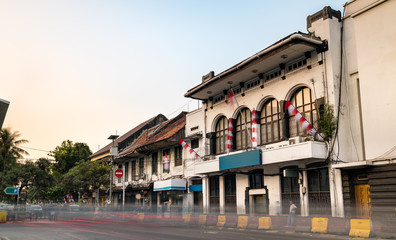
{"points": [[170, 184]]}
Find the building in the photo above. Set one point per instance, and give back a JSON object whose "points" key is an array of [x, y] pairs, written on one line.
{"points": [[3, 110], [288, 163], [367, 151]]}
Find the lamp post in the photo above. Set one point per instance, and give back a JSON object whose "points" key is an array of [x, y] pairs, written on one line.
{"points": [[113, 152]]}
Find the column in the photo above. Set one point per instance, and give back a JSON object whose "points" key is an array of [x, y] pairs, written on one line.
{"points": [[221, 195]]}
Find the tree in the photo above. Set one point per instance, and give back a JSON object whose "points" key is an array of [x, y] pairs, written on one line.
{"points": [[86, 177], [9, 150], [68, 154], [35, 177]]}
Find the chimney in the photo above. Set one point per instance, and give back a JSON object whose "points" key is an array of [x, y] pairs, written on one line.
{"points": [[208, 76]]}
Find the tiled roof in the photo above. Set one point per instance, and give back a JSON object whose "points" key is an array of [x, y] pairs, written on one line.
{"points": [[106, 149], [161, 132]]}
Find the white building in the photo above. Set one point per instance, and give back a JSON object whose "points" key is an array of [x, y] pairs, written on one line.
{"points": [[344, 62]]}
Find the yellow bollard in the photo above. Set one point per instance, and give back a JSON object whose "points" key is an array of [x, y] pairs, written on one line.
{"points": [[265, 223], [202, 219], [221, 219], [243, 222], [319, 225], [3, 217], [360, 228], [187, 218]]}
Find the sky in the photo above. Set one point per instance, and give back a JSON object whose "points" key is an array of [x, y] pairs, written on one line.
{"points": [[82, 70]]}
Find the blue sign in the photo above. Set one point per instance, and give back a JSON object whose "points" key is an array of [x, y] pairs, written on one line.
{"points": [[244, 159]]}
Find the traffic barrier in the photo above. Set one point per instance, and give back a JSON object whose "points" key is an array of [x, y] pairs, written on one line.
{"points": [[264, 223], [211, 220], [3, 217], [360, 228], [187, 218], [302, 224], [202, 219], [140, 216], [231, 221], [253, 222], [242, 222], [319, 225], [338, 226], [221, 220]]}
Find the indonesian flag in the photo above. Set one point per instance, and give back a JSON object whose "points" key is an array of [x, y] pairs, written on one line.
{"points": [[166, 162], [300, 119], [254, 129], [231, 100], [189, 149], [229, 136]]}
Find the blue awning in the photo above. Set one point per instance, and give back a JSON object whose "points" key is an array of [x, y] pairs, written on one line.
{"points": [[244, 159]]}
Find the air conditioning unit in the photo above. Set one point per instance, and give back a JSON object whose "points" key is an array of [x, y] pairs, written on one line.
{"points": [[295, 140], [309, 138]]}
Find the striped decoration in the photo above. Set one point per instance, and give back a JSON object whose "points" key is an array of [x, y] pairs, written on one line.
{"points": [[254, 129], [299, 118], [189, 149], [229, 136]]}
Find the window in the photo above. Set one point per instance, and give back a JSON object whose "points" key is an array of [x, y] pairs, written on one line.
{"points": [[214, 193], [230, 192], [178, 156], [304, 102], [256, 179], [270, 122], [141, 166], [221, 135], [194, 143], [319, 189], [154, 162], [127, 171], [166, 151], [290, 192], [242, 134], [133, 169]]}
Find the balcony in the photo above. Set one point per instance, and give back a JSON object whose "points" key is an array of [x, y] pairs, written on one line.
{"points": [[285, 151]]}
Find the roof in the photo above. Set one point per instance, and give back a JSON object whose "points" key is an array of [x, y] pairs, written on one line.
{"points": [[133, 131], [267, 59], [159, 133]]}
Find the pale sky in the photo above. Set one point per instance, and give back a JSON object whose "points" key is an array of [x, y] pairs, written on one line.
{"points": [[85, 69]]}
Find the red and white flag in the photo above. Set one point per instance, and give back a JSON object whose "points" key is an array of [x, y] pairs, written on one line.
{"points": [[229, 136], [299, 118], [166, 162], [231, 100], [254, 129], [189, 149]]}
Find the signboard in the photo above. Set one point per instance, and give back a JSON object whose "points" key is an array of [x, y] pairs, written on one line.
{"points": [[119, 173], [11, 190]]}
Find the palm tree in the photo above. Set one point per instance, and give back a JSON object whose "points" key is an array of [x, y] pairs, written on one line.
{"points": [[9, 150]]}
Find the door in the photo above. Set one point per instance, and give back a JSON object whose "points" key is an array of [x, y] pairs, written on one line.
{"points": [[362, 200]]}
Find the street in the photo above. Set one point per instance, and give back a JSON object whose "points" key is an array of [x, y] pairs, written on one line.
{"points": [[84, 228]]}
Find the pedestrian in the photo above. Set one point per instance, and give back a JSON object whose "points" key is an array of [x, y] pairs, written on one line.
{"points": [[292, 212], [277, 208]]}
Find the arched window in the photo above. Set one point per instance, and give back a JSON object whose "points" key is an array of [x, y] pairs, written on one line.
{"points": [[270, 122], [221, 134], [304, 101], [242, 129]]}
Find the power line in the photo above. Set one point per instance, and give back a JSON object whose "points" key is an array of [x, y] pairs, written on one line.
{"points": [[35, 149]]}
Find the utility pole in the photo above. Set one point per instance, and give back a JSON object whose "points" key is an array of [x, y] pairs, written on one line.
{"points": [[113, 152]]}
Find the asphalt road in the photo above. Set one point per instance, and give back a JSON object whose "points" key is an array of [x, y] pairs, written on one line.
{"points": [[91, 228]]}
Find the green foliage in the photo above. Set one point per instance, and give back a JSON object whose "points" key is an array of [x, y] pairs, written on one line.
{"points": [[68, 154], [9, 150], [86, 177], [327, 121], [32, 176]]}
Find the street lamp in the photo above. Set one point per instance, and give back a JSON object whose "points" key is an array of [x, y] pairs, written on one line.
{"points": [[113, 152]]}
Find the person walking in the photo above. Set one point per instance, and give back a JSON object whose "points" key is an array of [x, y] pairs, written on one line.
{"points": [[292, 212]]}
